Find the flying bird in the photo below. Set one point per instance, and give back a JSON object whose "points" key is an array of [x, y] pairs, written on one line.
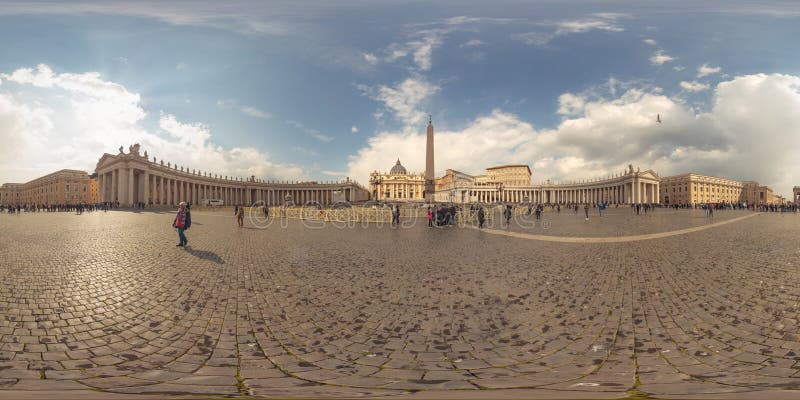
{"points": [[658, 118]]}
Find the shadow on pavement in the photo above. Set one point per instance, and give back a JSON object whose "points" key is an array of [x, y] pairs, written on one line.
{"points": [[205, 255]]}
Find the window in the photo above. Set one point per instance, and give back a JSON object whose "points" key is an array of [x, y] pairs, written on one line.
{"points": [[67, 188]]}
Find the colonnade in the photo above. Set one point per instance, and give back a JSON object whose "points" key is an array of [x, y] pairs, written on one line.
{"points": [[637, 191], [129, 186]]}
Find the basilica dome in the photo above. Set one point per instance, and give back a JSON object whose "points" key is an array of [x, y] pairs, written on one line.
{"points": [[398, 169]]}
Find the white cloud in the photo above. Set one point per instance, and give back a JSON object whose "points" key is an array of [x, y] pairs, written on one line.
{"points": [[650, 42], [473, 43], [679, 68], [254, 112], [694, 86], [660, 57], [586, 25], [422, 49], [706, 70], [462, 20], [421, 43], [601, 21], [227, 104], [570, 104], [370, 58], [252, 20], [353, 129], [310, 131], [534, 38], [405, 99], [69, 120], [181, 66], [750, 133], [304, 150], [338, 174]]}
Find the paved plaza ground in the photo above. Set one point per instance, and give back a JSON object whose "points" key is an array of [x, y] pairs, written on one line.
{"points": [[103, 305]]}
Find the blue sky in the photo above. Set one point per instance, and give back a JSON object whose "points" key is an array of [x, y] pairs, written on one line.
{"points": [[323, 90]]}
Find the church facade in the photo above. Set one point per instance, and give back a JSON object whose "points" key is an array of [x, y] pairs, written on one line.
{"points": [[397, 185]]}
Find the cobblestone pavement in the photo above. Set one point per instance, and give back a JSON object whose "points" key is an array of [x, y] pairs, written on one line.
{"points": [[106, 301], [615, 222]]}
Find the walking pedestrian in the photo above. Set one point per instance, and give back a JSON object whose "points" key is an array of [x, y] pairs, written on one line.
{"points": [[240, 216], [507, 214], [182, 222], [481, 217], [430, 217], [586, 210]]}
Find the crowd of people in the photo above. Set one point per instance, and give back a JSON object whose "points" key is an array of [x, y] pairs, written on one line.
{"points": [[79, 208]]}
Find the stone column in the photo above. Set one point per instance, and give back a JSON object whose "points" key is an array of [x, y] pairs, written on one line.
{"points": [[130, 187], [146, 188], [658, 192]]}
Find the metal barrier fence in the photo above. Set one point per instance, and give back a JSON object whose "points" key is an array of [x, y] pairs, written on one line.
{"points": [[367, 214]]}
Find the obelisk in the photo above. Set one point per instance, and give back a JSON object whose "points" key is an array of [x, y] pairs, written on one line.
{"points": [[430, 178]]}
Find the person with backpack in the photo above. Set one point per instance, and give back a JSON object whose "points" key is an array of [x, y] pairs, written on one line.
{"points": [[240, 216], [183, 220]]}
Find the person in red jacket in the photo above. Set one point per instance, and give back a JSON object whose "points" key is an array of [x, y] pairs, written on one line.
{"points": [[183, 221]]}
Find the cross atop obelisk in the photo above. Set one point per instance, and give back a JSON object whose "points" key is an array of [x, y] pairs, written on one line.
{"points": [[430, 178]]}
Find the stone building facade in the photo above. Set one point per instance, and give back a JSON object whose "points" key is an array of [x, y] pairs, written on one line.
{"points": [[66, 186], [507, 175], [691, 189], [133, 178], [694, 188], [397, 185], [755, 193], [93, 190]]}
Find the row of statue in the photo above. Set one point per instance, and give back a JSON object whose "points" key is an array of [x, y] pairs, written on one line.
{"points": [[134, 150]]}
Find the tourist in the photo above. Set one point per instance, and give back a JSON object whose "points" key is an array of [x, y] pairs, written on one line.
{"points": [[481, 217], [430, 217], [586, 210], [182, 222], [507, 214], [240, 216]]}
